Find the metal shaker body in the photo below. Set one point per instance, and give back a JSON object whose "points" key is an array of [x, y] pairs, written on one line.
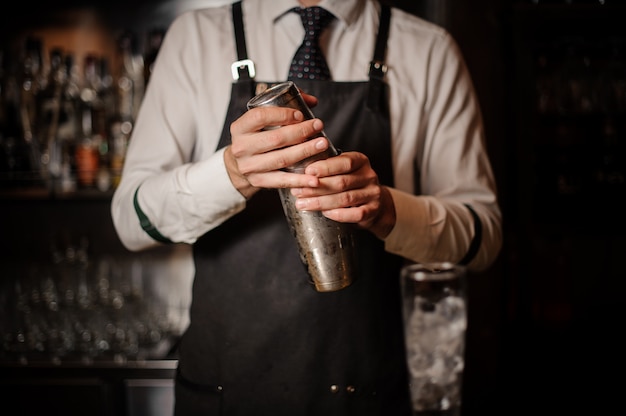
{"points": [[326, 247]]}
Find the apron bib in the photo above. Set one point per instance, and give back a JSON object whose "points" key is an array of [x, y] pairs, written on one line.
{"points": [[261, 339]]}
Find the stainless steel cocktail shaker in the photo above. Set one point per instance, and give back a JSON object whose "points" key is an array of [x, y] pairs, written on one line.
{"points": [[326, 247]]}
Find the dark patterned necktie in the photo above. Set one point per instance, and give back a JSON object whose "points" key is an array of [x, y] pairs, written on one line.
{"points": [[308, 62]]}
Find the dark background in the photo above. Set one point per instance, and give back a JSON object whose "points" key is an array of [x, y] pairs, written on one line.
{"points": [[546, 319]]}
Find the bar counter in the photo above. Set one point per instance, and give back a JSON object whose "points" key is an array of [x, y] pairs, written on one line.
{"points": [[102, 387]]}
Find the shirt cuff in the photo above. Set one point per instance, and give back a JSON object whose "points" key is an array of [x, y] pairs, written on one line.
{"points": [[212, 190], [419, 222]]}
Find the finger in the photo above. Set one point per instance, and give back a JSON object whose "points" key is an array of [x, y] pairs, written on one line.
{"points": [[348, 199], [341, 164], [361, 178], [309, 99], [268, 140], [274, 156], [353, 215], [362, 214], [289, 135], [261, 118], [282, 179], [330, 185]]}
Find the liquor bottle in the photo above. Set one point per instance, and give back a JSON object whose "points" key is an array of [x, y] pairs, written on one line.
{"points": [[155, 38], [50, 115], [120, 134], [107, 95], [107, 98], [86, 154], [95, 142], [30, 86], [130, 81], [90, 93], [13, 151], [69, 130]]}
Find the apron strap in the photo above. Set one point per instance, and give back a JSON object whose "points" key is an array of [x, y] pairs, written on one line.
{"points": [[240, 39], [378, 68], [243, 69]]}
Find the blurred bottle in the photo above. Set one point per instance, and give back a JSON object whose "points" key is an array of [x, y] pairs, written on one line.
{"points": [[130, 78], [14, 151], [30, 85], [69, 129], [91, 93], [50, 115], [120, 134], [155, 38], [86, 155], [99, 100]]}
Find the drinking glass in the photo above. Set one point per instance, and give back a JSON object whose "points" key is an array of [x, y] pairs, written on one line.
{"points": [[435, 319]]}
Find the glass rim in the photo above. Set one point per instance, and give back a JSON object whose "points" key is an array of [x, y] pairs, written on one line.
{"points": [[281, 92], [433, 271]]}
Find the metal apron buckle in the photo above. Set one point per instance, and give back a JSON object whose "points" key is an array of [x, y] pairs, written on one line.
{"points": [[243, 64]]}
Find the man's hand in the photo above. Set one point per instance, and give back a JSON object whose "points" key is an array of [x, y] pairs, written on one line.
{"points": [[268, 139], [348, 191]]}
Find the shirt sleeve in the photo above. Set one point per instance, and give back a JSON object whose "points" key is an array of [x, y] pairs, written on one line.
{"points": [[450, 171], [182, 190]]}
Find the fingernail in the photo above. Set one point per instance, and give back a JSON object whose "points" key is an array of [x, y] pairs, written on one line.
{"points": [[300, 204], [321, 144]]}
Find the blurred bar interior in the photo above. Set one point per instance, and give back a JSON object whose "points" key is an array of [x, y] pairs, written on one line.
{"points": [[87, 325]]}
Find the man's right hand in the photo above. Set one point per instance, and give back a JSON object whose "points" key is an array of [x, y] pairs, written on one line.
{"points": [[264, 141]]}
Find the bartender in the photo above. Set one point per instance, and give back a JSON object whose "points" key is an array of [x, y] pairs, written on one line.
{"points": [[413, 179]]}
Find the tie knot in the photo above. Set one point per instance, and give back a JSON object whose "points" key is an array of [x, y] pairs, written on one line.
{"points": [[308, 62], [314, 20]]}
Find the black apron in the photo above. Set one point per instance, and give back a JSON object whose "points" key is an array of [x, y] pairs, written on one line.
{"points": [[261, 339]]}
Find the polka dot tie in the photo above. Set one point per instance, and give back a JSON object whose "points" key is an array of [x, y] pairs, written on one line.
{"points": [[308, 62]]}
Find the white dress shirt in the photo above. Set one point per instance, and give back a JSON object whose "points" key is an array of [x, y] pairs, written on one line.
{"points": [[438, 146]]}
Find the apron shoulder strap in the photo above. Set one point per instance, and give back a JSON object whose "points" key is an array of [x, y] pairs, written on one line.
{"points": [[243, 65], [377, 67], [240, 39]]}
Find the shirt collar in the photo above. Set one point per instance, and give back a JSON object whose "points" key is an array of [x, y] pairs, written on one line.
{"points": [[347, 11]]}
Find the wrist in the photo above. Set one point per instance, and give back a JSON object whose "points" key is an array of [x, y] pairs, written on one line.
{"points": [[239, 181], [386, 219]]}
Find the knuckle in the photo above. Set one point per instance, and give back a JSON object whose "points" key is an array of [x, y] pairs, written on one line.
{"points": [[244, 168], [273, 139], [258, 117], [347, 199], [376, 193], [281, 162], [307, 130], [343, 182], [236, 149]]}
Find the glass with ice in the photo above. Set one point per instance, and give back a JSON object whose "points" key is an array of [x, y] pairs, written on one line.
{"points": [[435, 320]]}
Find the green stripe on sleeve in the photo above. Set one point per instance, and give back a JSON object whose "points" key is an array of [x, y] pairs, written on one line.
{"points": [[147, 225]]}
